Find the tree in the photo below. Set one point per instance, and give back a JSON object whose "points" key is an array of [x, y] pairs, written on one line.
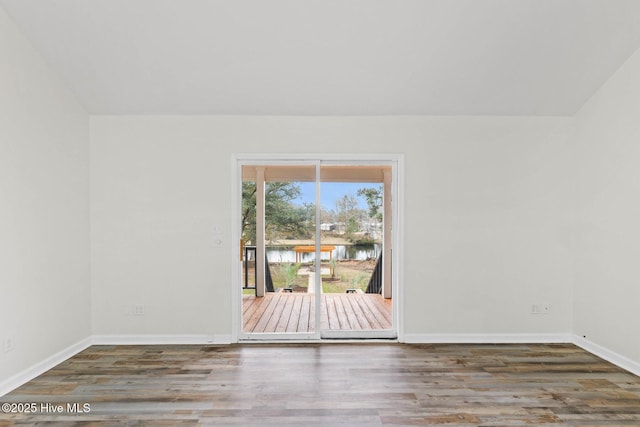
{"points": [[352, 225], [326, 215], [373, 196], [283, 218], [348, 213]]}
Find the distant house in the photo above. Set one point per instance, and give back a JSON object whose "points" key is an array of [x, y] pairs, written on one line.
{"points": [[327, 227]]}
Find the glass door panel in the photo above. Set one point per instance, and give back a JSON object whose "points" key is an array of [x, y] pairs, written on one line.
{"points": [[279, 225], [352, 239]]}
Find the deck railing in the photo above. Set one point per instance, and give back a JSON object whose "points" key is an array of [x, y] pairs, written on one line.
{"points": [[267, 275], [267, 271], [375, 283]]}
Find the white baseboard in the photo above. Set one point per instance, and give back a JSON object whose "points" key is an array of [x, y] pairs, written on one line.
{"points": [[487, 338], [608, 355], [39, 368], [160, 339]]}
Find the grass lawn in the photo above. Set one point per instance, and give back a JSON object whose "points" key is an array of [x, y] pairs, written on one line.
{"points": [[348, 274]]}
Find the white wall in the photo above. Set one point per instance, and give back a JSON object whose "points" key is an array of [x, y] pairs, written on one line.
{"points": [[44, 209], [607, 145], [488, 217]]}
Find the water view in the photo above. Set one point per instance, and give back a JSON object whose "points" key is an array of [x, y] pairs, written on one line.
{"points": [[341, 252]]}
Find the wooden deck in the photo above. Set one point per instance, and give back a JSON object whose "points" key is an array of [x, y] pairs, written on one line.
{"points": [[295, 312]]}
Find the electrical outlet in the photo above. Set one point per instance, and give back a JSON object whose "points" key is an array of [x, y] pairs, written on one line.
{"points": [[134, 310], [540, 309], [218, 242], [7, 344]]}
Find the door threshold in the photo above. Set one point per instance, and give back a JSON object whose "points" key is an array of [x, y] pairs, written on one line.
{"points": [[321, 341]]}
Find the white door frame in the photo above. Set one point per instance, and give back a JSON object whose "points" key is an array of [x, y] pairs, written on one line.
{"points": [[397, 163]]}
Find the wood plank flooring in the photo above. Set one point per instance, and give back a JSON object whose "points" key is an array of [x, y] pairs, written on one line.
{"points": [[294, 312], [334, 384]]}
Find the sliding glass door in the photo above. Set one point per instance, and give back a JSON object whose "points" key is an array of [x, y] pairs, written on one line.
{"points": [[316, 250]]}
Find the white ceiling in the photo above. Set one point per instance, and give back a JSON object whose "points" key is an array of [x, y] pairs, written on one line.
{"points": [[332, 57]]}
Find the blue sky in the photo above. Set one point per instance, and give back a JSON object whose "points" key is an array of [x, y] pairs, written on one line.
{"points": [[332, 191]]}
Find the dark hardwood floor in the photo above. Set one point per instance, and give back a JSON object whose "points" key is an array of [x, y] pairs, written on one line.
{"points": [[332, 384]]}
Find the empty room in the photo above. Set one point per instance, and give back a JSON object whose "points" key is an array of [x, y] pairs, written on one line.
{"points": [[356, 212]]}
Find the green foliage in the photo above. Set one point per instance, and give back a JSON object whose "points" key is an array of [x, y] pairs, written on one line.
{"points": [[352, 225], [289, 271], [349, 279], [286, 219], [365, 241], [334, 265], [346, 205], [374, 201], [348, 213], [359, 280], [283, 217]]}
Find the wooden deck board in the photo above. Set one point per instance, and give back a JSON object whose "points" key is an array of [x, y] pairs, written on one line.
{"points": [[384, 317], [286, 312], [294, 319], [334, 324], [351, 315], [250, 308], [324, 316], [305, 313], [264, 313], [285, 315], [359, 315], [374, 323], [277, 310], [343, 320]]}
